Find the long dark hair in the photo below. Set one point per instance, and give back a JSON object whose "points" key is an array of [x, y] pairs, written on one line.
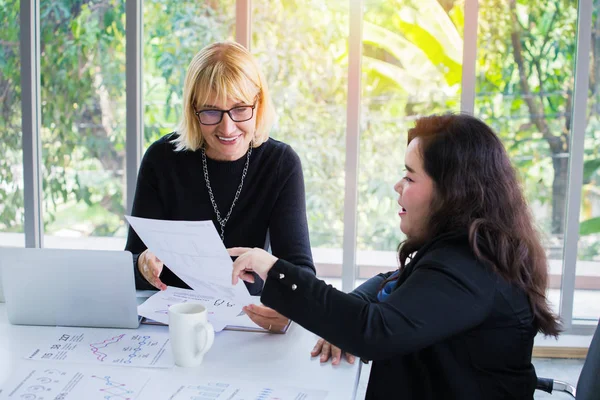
{"points": [[477, 191]]}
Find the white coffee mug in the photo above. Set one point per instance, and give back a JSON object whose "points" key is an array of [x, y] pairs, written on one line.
{"points": [[190, 333]]}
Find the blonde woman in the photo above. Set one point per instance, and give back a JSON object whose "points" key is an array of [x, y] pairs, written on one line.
{"points": [[221, 165]]}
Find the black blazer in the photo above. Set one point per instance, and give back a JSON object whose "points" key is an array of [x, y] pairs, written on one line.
{"points": [[451, 328]]}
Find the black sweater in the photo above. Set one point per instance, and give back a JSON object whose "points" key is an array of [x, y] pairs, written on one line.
{"points": [[171, 186], [450, 329]]}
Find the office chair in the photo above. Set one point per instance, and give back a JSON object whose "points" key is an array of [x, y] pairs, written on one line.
{"points": [[588, 384]]}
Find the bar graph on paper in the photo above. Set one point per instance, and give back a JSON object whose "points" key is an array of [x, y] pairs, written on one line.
{"points": [[213, 390]]}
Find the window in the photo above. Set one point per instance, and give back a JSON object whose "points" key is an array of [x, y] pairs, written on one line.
{"points": [[303, 52], [411, 66], [11, 148], [83, 122], [174, 31], [586, 303], [525, 67]]}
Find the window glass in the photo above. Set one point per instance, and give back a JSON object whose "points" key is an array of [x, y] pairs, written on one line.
{"points": [[525, 67], [11, 148]]}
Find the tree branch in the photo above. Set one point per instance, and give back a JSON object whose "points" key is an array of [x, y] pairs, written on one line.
{"points": [[537, 116], [547, 36], [564, 136], [538, 69]]}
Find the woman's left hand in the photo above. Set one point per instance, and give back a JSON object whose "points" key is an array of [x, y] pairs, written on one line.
{"points": [[248, 261], [266, 318]]}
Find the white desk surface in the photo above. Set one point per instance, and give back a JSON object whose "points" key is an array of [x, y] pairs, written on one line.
{"points": [[260, 357]]}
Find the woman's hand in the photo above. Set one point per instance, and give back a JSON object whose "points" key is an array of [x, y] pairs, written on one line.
{"points": [[248, 261], [150, 267], [266, 318], [327, 350]]}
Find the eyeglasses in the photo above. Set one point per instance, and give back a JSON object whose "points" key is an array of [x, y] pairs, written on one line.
{"points": [[237, 114]]}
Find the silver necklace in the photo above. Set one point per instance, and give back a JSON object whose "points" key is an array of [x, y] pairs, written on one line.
{"points": [[223, 221]]}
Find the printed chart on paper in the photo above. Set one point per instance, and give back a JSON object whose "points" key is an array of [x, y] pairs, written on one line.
{"points": [[72, 383], [106, 347]]}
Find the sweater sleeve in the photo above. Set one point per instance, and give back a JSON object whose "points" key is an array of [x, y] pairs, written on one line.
{"points": [[434, 303], [147, 203], [288, 227]]}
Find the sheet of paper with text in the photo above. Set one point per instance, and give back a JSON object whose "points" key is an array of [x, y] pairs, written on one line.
{"points": [[221, 312], [194, 251]]}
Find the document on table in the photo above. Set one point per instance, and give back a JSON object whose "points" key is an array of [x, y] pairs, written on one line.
{"points": [[221, 313], [208, 389], [68, 382], [106, 347], [194, 251]]}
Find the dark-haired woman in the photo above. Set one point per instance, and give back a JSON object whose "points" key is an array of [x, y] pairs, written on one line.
{"points": [[458, 318]]}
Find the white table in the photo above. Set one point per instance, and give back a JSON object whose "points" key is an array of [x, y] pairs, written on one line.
{"points": [[261, 357]]}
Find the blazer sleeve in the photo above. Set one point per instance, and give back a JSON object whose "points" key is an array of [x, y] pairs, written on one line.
{"points": [[434, 303], [147, 203], [288, 226], [369, 289]]}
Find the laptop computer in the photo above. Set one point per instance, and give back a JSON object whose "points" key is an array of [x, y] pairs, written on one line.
{"points": [[88, 288]]}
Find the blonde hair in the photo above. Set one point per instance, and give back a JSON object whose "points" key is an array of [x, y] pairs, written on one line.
{"points": [[225, 70]]}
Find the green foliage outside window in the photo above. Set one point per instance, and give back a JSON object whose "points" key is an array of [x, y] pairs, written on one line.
{"points": [[412, 55]]}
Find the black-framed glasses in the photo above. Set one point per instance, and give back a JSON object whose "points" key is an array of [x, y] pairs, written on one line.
{"points": [[237, 114]]}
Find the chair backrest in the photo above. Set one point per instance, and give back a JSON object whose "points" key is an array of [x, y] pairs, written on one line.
{"points": [[588, 385]]}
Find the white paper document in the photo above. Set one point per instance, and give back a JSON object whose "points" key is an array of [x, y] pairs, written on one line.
{"points": [[51, 381], [221, 312], [68, 382], [194, 251], [106, 347], [210, 389]]}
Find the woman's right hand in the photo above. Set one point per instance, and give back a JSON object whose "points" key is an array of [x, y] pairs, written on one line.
{"points": [[150, 267], [327, 350]]}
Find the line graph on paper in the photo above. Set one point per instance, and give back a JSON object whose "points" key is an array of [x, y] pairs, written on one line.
{"points": [[96, 347], [142, 348], [121, 350], [139, 347], [112, 390], [75, 383]]}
